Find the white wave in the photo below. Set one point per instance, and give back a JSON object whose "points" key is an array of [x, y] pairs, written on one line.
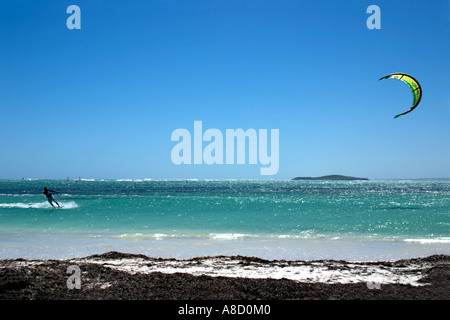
{"points": [[129, 235], [161, 236], [39, 205], [214, 236], [228, 236], [435, 240], [138, 235], [303, 235], [289, 236]]}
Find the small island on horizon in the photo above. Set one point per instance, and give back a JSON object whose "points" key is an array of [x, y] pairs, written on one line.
{"points": [[330, 177]]}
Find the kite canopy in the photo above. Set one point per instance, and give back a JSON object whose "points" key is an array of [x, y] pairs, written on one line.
{"points": [[413, 84]]}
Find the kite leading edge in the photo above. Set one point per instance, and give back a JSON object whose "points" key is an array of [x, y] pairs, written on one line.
{"points": [[413, 84]]}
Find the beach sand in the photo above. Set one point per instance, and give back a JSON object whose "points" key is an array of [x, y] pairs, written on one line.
{"points": [[121, 276]]}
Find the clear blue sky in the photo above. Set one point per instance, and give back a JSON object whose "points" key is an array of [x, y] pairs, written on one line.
{"points": [[102, 102]]}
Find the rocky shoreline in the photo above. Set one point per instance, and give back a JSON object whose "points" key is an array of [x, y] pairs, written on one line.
{"points": [[121, 276]]}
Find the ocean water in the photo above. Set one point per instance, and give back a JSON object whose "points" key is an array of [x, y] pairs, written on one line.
{"points": [[293, 220]]}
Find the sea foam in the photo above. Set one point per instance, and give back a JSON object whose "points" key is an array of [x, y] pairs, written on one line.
{"points": [[39, 205]]}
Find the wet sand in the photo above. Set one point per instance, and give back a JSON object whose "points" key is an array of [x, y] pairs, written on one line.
{"points": [[121, 276]]}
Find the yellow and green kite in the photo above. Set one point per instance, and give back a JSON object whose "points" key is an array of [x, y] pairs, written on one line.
{"points": [[413, 84]]}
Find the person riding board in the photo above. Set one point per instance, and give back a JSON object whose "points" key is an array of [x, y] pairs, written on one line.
{"points": [[49, 196]]}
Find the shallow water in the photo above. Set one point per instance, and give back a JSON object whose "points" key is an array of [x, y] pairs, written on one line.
{"points": [[353, 220]]}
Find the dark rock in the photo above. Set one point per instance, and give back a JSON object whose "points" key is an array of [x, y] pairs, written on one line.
{"points": [[47, 281]]}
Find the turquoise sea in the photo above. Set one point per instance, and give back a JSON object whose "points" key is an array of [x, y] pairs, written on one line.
{"points": [[352, 220]]}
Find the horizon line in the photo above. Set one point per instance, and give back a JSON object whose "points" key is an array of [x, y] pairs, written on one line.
{"points": [[201, 179]]}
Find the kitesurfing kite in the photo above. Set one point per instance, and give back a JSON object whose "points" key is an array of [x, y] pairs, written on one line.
{"points": [[413, 84]]}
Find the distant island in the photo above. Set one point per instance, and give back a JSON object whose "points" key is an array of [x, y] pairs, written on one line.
{"points": [[330, 177]]}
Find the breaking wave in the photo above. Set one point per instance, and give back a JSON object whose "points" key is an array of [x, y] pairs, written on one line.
{"points": [[39, 205]]}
